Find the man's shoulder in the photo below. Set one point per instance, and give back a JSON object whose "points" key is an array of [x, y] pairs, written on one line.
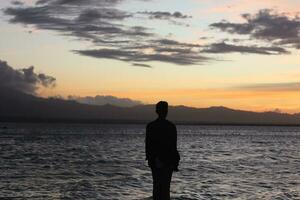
{"points": [[150, 124], [160, 123], [170, 123]]}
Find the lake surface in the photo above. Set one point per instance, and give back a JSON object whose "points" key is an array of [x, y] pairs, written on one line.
{"points": [[73, 161]]}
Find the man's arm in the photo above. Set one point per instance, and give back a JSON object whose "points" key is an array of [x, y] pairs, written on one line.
{"points": [[147, 143], [174, 139], [176, 153]]}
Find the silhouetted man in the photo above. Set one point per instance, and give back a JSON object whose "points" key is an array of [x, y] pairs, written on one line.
{"points": [[161, 152]]}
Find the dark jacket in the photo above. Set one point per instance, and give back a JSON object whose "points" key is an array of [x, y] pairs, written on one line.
{"points": [[161, 143]]}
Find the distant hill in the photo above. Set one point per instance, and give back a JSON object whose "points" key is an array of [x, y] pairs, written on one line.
{"points": [[18, 106]]}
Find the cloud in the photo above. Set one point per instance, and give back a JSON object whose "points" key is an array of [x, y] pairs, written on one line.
{"points": [[189, 58], [165, 15], [95, 21], [168, 42], [103, 100], [163, 50], [81, 23], [173, 18], [168, 16], [230, 48], [112, 35], [268, 26], [79, 2], [91, 15], [287, 86], [141, 65], [25, 80], [17, 3], [105, 25]]}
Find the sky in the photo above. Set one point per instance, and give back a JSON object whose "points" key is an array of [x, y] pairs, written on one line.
{"points": [[242, 54]]}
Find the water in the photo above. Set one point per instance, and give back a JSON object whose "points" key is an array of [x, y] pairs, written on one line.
{"points": [[67, 161]]}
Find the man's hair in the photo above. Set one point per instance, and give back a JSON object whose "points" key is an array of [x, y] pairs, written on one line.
{"points": [[162, 108]]}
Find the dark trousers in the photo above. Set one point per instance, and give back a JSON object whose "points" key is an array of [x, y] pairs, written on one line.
{"points": [[161, 182]]}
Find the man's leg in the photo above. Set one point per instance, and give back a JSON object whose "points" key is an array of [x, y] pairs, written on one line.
{"points": [[166, 183], [156, 189]]}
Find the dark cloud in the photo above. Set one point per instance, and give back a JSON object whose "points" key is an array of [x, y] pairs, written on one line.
{"points": [[266, 25], [25, 80], [232, 27], [293, 42], [168, 16], [103, 100], [230, 48], [91, 15], [168, 42], [190, 58], [163, 50], [141, 65], [88, 19], [165, 15], [79, 2], [87, 22], [17, 3], [104, 24]]}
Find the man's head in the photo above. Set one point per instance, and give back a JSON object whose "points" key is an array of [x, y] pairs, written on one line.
{"points": [[162, 109]]}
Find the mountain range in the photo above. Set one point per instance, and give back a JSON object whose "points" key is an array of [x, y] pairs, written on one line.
{"points": [[20, 107]]}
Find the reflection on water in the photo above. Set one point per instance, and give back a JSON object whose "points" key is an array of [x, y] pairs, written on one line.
{"points": [[107, 162]]}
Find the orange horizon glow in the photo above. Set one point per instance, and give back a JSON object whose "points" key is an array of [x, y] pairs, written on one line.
{"points": [[256, 101]]}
